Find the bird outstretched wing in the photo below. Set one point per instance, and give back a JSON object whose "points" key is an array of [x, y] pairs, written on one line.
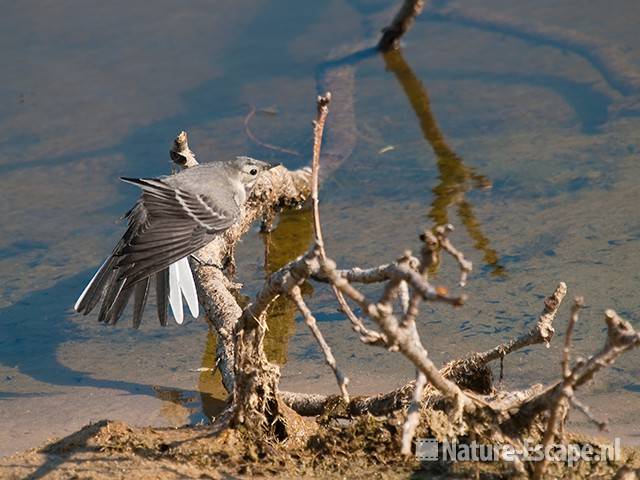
{"points": [[166, 225]]}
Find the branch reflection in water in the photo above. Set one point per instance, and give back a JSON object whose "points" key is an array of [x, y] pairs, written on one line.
{"points": [[455, 177]]}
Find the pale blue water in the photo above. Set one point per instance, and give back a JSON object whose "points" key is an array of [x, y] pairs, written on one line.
{"points": [[94, 91]]}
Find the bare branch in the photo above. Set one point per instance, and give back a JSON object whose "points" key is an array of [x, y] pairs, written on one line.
{"points": [[180, 152], [405, 339], [542, 332], [620, 337], [318, 128], [363, 275], [586, 411], [281, 282], [442, 233], [413, 415], [366, 335], [381, 404], [429, 258], [566, 354], [306, 404], [560, 405], [310, 320]]}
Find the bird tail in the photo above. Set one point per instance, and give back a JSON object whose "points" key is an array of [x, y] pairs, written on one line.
{"points": [[114, 292], [181, 283], [94, 290]]}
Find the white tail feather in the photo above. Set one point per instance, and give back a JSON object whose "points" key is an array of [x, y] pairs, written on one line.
{"points": [[188, 286], [175, 296], [86, 289]]}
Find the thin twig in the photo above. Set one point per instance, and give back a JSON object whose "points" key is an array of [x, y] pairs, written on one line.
{"points": [[603, 425], [318, 128], [310, 320], [366, 335], [429, 258], [542, 332], [620, 337], [566, 393], [413, 415], [442, 233], [566, 354]]}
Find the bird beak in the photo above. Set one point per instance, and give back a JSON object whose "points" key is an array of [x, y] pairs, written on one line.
{"points": [[273, 165]]}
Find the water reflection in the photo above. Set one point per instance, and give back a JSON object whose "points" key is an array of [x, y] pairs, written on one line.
{"points": [[288, 240], [31, 332], [177, 405], [212, 393], [455, 177]]}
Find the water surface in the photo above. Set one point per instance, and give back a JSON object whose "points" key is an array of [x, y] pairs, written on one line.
{"points": [[94, 91]]}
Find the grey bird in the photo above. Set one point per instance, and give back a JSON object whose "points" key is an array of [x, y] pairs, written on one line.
{"points": [[175, 216]]}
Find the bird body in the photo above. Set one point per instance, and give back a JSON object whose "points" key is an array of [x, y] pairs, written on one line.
{"points": [[175, 216]]}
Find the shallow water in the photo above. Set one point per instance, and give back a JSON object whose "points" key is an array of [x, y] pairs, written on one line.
{"points": [[91, 92]]}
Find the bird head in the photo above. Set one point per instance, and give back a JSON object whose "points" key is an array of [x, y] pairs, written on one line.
{"points": [[248, 169]]}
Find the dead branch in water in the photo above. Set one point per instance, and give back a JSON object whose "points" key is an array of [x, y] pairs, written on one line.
{"points": [[400, 24], [462, 389], [276, 188], [469, 367]]}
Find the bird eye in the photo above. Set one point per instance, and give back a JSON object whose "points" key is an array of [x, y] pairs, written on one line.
{"points": [[253, 171]]}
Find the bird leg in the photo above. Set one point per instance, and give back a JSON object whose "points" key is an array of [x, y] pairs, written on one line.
{"points": [[204, 263]]}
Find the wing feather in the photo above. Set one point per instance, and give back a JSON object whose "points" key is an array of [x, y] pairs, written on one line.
{"points": [[141, 290], [80, 303], [166, 225], [175, 295], [188, 286], [162, 287]]}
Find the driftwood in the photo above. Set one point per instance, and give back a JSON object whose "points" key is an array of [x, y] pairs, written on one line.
{"points": [[462, 389], [276, 189]]}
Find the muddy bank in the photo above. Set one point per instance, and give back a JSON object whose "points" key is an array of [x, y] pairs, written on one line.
{"points": [[366, 448]]}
